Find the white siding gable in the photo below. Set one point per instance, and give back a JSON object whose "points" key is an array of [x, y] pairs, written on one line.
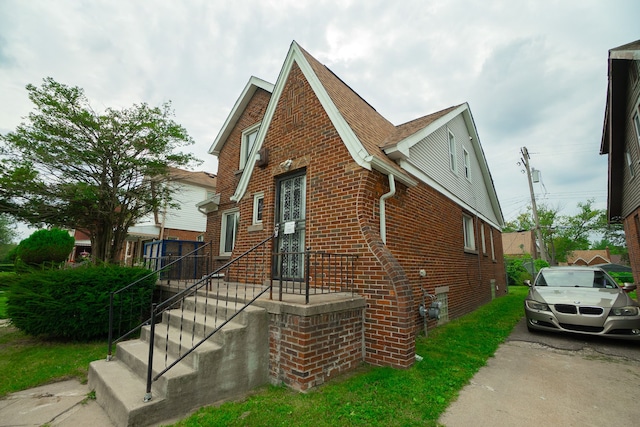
{"points": [[186, 216], [429, 160]]}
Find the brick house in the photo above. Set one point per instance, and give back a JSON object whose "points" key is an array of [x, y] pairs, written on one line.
{"points": [[621, 142], [415, 202]]}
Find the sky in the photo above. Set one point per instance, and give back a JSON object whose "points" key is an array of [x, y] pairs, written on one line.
{"points": [[533, 72]]}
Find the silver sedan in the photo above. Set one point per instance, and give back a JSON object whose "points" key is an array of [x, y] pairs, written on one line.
{"points": [[583, 300]]}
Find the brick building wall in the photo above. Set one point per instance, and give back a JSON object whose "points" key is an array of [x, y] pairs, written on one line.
{"points": [[424, 231], [306, 351]]}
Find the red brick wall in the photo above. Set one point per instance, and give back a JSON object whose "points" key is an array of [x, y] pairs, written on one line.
{"points": [[424, 228], [306, 351]]}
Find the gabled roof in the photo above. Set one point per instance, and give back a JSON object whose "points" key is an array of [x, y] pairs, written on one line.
{"points": [[369, 137], [397, 147], [360, 127], [252, 86], [613, 129], [200, 179]]}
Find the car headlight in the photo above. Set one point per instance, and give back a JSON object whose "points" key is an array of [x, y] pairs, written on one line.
{"points": [[535, 305], [630, 310]]}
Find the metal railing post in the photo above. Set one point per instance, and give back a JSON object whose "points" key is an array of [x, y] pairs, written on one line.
{"points": [[147, 396], [307, 254], [110, 326]]}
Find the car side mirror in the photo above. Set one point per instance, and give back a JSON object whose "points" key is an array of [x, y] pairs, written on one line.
{"points": [[527, 282], [629, 287]]}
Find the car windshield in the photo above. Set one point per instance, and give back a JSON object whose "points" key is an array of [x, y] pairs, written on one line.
{"points": [[575, 278]]}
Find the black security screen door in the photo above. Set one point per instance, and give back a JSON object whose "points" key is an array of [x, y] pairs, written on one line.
{"points": [[291, 220]]}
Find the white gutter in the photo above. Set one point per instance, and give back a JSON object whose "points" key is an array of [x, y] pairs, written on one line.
{"points": [[383, 216]]}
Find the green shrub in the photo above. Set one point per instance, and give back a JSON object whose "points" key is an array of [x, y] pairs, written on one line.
{"points": [[46, 246], [74, 303]]}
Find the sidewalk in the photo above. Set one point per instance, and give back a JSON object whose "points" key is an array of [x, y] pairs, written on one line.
{"points": [[64, 404]]}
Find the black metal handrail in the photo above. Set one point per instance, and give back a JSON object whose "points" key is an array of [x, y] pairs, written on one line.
{"points": [[132, 287], [246, 269], [324, 273]]}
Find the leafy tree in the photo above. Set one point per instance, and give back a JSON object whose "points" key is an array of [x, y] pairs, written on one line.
{"points": [[564, 234], [44, 246], [72, 167], [7, 229]]}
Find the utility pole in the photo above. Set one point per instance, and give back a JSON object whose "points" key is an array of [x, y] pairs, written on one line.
{"points": [[543, 249]]}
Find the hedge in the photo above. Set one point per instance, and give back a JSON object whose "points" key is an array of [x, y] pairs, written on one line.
{"points": [[74, 303]]}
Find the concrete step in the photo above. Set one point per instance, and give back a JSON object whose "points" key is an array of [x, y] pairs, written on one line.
{"points": [[135, 354], [229, 364], [121, 393]]}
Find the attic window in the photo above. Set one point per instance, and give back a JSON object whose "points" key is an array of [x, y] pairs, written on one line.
{"points": [[467, 164], [249, 136], [452, 152]]}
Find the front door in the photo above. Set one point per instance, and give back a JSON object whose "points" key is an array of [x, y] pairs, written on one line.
{"points": [[290, 198]]}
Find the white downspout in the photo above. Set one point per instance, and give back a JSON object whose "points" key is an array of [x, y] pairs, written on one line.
{"points": [[383, 216]]}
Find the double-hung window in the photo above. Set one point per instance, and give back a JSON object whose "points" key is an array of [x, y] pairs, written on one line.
{"points": [[630, 164], [258, 207], [452, 151], [469, 235], [249, 137], [467, 164], [229, 231], [636, 122]]}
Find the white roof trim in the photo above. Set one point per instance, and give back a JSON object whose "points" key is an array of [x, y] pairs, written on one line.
{"points": [[400, 150], [400, 153], [349, 138], [237, 110]]}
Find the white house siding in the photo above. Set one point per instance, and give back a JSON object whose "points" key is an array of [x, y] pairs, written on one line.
{"points": [[186, 216], [431, 155], [631, 197]]}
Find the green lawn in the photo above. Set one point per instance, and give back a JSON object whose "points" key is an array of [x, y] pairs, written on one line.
{"points": [[452, 354]]}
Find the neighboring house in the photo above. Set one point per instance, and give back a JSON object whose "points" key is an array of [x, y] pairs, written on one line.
{"points": [[415, 202], [82, 246], [182, 222], [621, 142], [589, 257], [520, 243]]}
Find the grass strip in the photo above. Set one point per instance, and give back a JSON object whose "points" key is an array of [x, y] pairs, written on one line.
{"points": [[27, 362]]}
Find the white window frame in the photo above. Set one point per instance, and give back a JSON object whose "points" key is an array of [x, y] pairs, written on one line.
{"points": [[468, 231], [482, 239], [636, 123], [453, 163], [493, 250], [234, 215], [257, 212], [630, 164], [467, 164], [246, 146]]}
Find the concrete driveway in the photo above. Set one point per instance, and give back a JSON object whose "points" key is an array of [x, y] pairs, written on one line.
{"points": [[544, 379]]}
